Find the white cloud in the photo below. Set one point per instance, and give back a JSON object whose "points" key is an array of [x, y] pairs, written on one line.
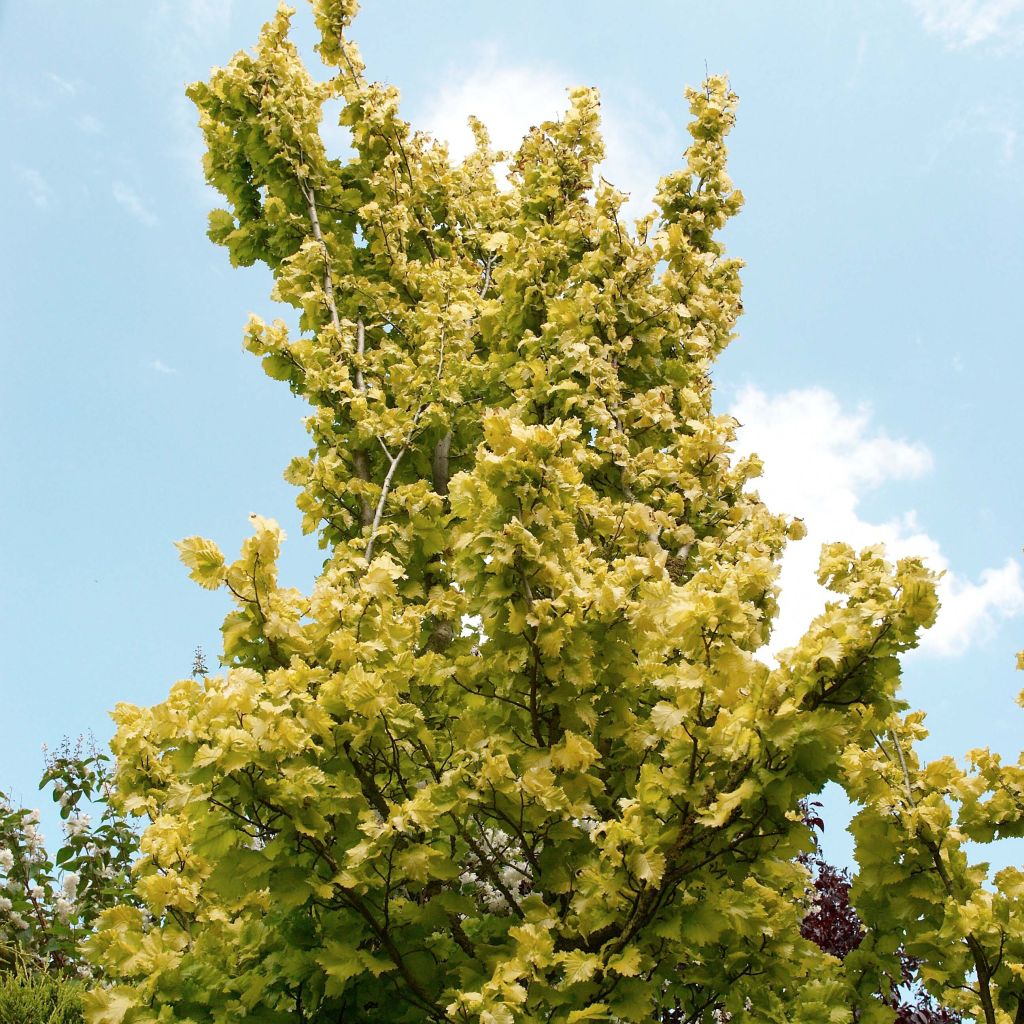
{"points": [[39, 192], [507, 99], [510, 98], [129, 199], [820, 460], [161, 367], [964, 23], [971, 610]]}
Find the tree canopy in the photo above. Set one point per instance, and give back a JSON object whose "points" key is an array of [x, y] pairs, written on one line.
{"points": [[519, 755]]}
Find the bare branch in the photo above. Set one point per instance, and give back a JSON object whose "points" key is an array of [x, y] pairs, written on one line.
{"points": [[485, 286]]}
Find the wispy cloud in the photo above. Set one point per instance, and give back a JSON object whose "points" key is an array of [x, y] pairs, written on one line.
{"points": [[129, 199], [965, 23], [986, 128], [161, 367], [89, 124], [186, 37], [1009, 147], [207, 18], [858, 61], [68, 88], [39, 192], [821, 460]]}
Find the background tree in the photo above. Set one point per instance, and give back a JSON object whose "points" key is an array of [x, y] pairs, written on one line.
{"points": [[514, 757]]}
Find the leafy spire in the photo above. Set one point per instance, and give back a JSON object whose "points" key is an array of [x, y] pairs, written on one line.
{"points": [[515, 756]]}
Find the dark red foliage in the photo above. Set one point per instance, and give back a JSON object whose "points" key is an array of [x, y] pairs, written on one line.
{"points": [[832, 924]]}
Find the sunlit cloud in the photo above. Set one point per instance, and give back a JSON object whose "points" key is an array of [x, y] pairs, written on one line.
{"points": [[821, 460], [510, 98]]}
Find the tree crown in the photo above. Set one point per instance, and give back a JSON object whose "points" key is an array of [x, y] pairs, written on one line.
{"points": [[515, 757]]}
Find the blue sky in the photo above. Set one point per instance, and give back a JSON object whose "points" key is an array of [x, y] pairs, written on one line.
{"points": [[879, 366]]}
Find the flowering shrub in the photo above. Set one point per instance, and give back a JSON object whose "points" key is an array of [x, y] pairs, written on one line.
{"points": [[47, 905]]}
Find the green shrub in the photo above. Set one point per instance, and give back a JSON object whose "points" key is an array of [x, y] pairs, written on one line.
{"points": [[32, 997], [50, 896]]}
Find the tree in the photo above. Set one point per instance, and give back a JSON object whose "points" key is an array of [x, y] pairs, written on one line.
{"points": [[515, 757]]}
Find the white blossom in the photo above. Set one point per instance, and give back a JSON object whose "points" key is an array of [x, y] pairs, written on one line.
{"points": [[35, 843], [70, 884], [64, 907], [6, 860], [19, 922], [77, 825], [5, 904], [493, 900], [503, 869], [37, 892]]}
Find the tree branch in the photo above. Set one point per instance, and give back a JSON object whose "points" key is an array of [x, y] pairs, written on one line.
{"points": [[359, 459], [384, 490], [439, 464]]}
